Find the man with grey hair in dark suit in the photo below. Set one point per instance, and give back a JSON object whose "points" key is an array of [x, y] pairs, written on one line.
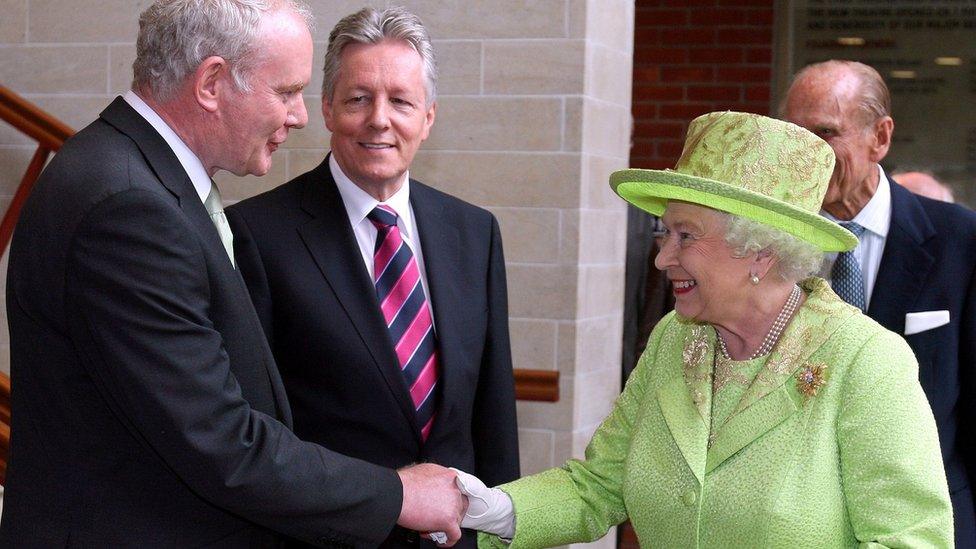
{"points": [[147, 408]]}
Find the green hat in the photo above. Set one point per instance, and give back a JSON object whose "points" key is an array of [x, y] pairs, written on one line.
{"points": [[748, 165]]}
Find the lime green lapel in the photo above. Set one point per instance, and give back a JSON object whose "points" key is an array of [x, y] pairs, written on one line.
{"points": [[686, 400], [776, 393]]}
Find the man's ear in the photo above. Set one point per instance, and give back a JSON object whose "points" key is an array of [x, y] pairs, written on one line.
{"points": [[210, 80], [883, 128]]}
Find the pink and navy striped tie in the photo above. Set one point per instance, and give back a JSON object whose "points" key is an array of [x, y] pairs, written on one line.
{"points": [[404, 306]]}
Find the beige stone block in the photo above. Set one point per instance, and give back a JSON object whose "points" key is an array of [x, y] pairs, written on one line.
{"points": [[301, 161], [566, 345], [611, 22], [601, 290], [120, 59], [573, 124], [576, 18], [598, 344], [596, 191], [76, 112], [5, 360], [595, 394], [606, 129], [234, 188], [531, 235], [328, 12], [97, 21], [533, 343], [609, 74], [542, 291], [497, 19], [563, 447], [603, 236], [4, 327], [314, 135], [497, 124], [569, 242], [13, 165], [549, 415], [535, 450], [13, 24], [4, 260], [502, 179], [55, 69], [314, 87], [534, 67], [458, 67]]}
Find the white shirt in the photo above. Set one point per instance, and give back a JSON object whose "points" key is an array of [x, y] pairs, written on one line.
{"points": [[191, 164], [359, 203], [875, 217]]}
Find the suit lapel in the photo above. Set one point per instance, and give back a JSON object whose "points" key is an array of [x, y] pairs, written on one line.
{"points": [[330, 241], [171, 174], [905, 263], [773, 395], [440, 244], [686, 400]]}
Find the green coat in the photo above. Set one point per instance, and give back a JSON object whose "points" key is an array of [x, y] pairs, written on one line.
{"points": [[852, 462]]}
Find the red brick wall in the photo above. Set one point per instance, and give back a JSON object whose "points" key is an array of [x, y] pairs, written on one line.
{"points": [[693, 57]]}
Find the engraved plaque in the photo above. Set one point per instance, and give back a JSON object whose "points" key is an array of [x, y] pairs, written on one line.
{"points": [[925, 50]]}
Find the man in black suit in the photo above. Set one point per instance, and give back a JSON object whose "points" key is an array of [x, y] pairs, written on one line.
{"points": [[916, 260], [147, 407], [314, 253]]}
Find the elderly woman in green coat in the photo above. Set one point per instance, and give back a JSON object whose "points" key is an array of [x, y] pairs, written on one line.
{"points": [[765, 411]]}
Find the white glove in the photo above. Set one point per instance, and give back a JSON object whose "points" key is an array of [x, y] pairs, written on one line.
{"points": [[489, 509]]}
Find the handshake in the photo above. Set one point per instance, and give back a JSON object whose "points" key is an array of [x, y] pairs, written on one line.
{"points": [[441, 501]]}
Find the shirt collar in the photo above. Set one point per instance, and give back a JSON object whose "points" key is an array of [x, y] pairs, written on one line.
{"points": [[875, 216], [359, 203], [191, 164]]}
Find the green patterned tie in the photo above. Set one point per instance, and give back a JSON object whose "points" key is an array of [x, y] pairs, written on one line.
{"points": [[216, 210]]}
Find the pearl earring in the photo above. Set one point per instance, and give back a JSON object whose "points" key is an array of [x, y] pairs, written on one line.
{"points": [[754, 279]]}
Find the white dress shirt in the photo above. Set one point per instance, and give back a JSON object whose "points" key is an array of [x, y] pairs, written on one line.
{"points": [[875, 217], [191, 164], [359, 203]]}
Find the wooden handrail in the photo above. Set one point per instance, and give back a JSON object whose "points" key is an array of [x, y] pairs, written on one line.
{"points": [[32, 121], [49, 132], [539, 385]]}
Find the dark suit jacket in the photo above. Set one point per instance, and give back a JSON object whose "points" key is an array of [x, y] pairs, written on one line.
{"points": [[310, 286], [147, 409], [929, 264]]}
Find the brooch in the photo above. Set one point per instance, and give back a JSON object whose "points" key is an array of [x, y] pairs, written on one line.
{"points": [[810, 379]]}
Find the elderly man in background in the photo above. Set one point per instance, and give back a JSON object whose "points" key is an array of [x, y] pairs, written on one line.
{"points": [[384, 300], [913, 269], [147, 407], [924, 184]]}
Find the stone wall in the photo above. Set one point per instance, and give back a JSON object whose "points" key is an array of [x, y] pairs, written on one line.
{"points": [[533, 114]]}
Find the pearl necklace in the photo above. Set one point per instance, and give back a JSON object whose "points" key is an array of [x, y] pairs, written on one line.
{"points": [[775, 330]]}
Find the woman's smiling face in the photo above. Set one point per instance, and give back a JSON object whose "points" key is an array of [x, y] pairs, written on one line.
{"points": [[709, 282]]}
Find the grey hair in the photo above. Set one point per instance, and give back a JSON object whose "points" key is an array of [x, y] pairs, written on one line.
{"points": [[873, 97], [797, 259], [372, 26], [175, 36]]}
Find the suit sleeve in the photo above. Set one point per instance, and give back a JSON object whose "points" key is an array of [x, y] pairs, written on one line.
{"points": [[493, 424], [139, 294], [251, 267], [893, 479], [967, 375]]}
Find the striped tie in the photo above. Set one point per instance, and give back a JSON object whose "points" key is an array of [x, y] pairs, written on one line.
{"points": [[404, 306]]}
